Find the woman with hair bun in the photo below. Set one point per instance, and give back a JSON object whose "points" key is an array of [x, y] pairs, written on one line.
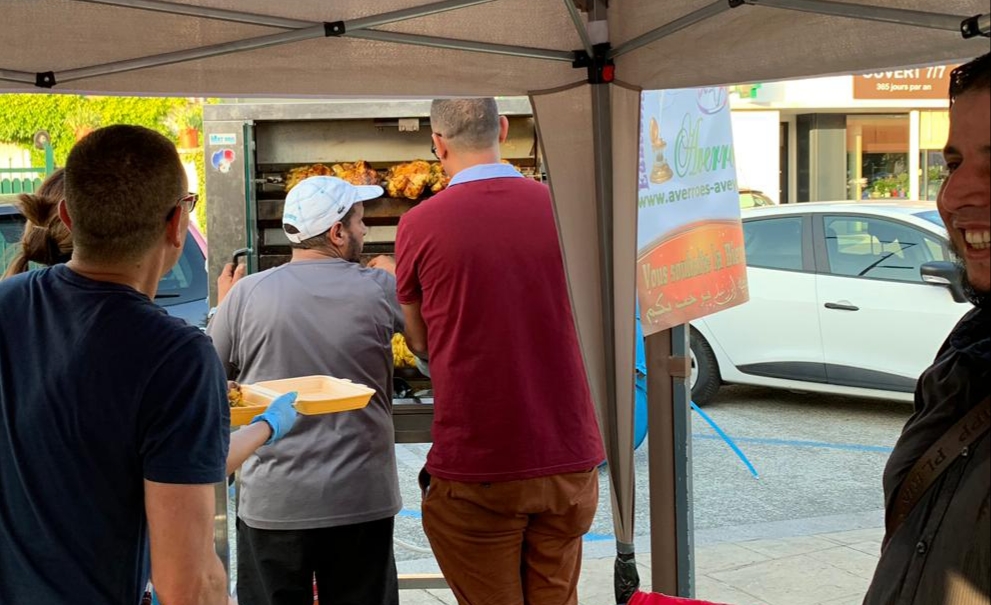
{"points": [[46, 239]]}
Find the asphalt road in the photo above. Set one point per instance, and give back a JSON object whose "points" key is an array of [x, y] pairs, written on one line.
{"points": [[819, 460]]}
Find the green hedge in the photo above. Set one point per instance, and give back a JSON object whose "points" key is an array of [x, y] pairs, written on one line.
{"points": [[25, 114]]}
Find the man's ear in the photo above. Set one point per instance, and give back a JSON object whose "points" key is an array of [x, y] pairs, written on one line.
{"points": [[336, 235], [503, 129], [63, 213], [440, 144]]}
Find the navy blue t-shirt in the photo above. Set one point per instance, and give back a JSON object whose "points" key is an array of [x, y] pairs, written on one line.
{"points": [[99, 389]]}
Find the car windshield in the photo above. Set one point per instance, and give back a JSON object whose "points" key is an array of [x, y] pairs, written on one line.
{"points": [[932, 216]]}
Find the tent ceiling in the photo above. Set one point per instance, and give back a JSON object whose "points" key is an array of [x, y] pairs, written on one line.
{"points": [[747, 43]]}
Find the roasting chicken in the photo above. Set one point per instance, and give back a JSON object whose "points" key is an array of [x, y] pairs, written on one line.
{"points": [[408, 180], [304, 172], [438, 178], [358, 173]]}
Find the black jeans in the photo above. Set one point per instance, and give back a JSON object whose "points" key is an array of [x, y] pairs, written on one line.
{"points": [[354, 565]]}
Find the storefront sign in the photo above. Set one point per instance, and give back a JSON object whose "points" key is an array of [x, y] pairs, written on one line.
{"points": [[919, 83], [690, 260]]}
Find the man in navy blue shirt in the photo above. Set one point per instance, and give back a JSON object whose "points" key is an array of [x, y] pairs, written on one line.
{"points": [[113, 415]]}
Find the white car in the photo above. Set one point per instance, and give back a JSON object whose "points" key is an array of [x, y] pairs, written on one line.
{"points": [[852, 298]]}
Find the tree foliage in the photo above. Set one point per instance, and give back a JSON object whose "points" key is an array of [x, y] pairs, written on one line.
{"points": [[25, 114]]}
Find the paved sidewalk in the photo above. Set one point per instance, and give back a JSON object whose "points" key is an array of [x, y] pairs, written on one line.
{"points": [[822, 569]]}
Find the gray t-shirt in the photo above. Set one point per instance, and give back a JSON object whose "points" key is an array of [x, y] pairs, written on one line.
{"points": [[329, 317]]}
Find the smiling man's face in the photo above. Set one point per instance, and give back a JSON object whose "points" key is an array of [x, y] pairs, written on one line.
{"points": [[965, 199]]}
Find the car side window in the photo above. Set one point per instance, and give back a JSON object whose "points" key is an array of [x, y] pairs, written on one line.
{"points": [[774, 243], [874, 248], [11, 228], [186, 281]]}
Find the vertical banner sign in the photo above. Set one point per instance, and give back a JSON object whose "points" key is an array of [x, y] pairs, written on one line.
{"points": [[690, 258]]}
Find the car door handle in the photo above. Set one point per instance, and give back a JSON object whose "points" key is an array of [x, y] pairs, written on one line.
{"points": [[842, 307]]}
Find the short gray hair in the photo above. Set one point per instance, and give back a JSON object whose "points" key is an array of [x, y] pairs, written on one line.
{"points": [[471, 124]]}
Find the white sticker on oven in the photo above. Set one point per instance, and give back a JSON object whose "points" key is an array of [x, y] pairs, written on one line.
{"points": [[222, 138]]}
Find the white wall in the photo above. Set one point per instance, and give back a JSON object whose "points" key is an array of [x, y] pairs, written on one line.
{"points": [[14, 156], [834, 93], [756, 143]]}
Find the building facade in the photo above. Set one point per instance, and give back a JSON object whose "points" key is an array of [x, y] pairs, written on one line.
{"points": [[868, 136]]}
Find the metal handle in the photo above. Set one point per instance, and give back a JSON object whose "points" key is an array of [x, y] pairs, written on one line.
{"points": [[842, 307]]}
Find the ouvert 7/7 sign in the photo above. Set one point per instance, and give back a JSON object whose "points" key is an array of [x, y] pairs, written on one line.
{"points": [[690, 251], [931, 82]]}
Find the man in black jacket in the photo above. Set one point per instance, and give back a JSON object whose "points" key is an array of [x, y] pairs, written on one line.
{"points": [[937, 484]]}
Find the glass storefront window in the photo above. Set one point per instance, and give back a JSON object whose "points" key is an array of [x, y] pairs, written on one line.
{"points": [[934, 172], [877, 156], [934, 126]]}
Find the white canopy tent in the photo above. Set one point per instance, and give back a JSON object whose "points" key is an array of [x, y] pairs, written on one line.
{"points": [[582, 62]]}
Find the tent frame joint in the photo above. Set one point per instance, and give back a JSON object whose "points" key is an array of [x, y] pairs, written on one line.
{"points": [[45, 79], [600, 66], [334, 29], [975, 26]]}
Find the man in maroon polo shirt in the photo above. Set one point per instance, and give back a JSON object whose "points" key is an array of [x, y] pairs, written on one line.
{"points": [[512, 476]]}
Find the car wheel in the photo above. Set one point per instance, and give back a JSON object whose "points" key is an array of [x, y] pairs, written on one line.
{"points": [[705, 380]]}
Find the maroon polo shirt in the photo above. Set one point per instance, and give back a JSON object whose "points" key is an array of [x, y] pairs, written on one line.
{"points": [[511, 396]]}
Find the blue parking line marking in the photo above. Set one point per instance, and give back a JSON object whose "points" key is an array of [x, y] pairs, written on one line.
{"points": [[850, 447], [410, 513], [597, 537]]}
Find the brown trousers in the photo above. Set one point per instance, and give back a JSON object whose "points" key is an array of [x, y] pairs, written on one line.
{"points": [[511, 542]]}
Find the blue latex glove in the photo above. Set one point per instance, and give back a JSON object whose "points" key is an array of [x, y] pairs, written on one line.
{"points": [[280, 415]]}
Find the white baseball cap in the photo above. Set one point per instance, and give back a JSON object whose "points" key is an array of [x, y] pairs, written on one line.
{"points": [[316, 203]]}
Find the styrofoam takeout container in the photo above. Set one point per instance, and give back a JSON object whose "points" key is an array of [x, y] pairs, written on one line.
{"points": [[316, 395]]}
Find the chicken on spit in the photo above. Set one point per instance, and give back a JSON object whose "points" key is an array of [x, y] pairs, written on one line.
{"points": [[408, 180], [438, 178], [358, 173], [304, 172]]}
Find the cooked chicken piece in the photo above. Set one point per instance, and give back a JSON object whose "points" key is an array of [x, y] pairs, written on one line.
{"points": [[408, 180], [304, 172], [438, 178], [358, 173], [235, 398]]}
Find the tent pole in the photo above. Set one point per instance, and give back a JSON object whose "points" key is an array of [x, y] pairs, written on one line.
{"points": [[706, 12], [319, 30], [602, 154], [602, 161], [205, 12], [669, 463], [576, 18], [451, 43], [297, 35], [233, 16], [884, 14], [434, 8], [978, 25], [22, 77]]}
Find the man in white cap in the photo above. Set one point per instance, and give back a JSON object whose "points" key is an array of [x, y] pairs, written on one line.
{"points": [[323, 499]]}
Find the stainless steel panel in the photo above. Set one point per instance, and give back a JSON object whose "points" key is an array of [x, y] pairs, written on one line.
{"points": [[332, 141], [226, 189], [294, 109]]}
